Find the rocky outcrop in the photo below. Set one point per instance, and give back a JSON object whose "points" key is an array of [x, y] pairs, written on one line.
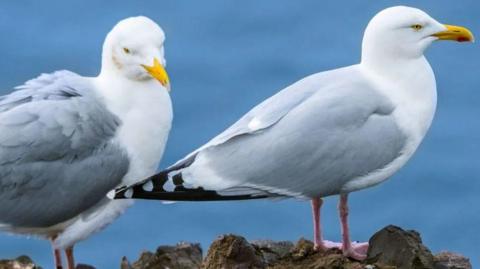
{"points": [[84, 266], [182, 256], [390, 248], [22, 262], [231, 251], [449, 260], [272, 251], [403, 249]]}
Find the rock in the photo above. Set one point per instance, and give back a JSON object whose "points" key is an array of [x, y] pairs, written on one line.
{"points": [[402, 249], [303, 255], [144, 261], [233, 252], [272, 251], [182, 256], [125, 264], [302, 249], [449, 260], [22, 262], [230, 251], [390, 248], [84, 266]]}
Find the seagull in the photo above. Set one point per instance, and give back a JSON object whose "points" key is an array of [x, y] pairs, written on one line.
{"points": [[66, 140], [331, 133]]}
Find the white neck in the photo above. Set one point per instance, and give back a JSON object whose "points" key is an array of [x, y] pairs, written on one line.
{"points": [[116, 90]]}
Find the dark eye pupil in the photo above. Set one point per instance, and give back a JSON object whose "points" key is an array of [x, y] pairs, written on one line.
{"points": [[417, 27], [126, 50]]}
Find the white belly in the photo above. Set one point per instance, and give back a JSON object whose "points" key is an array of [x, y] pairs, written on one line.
{"points": [[144, 133]]}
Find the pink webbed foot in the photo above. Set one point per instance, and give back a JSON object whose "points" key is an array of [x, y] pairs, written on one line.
{"points": [[326, 245], [356, 251], [361, 247]]}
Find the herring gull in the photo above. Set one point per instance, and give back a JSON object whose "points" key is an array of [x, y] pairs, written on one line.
{"points": [[66, 140], [330, 133]]}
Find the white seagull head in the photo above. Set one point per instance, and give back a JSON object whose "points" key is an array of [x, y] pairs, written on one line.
{"points": [[404, 33], [134, 49]]}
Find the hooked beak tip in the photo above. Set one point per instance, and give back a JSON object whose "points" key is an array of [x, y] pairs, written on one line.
{"points": [[158, 72]]}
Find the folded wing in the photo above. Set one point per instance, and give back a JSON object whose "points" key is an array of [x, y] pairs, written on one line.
{"points": [[57, 157]]}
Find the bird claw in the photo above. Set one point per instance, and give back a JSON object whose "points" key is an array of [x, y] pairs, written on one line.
{"points": [[351, 253], [356, 251], [361, 247], [326, 245]]}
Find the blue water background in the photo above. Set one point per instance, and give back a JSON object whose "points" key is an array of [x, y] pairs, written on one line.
{"points": [[224, 57]]}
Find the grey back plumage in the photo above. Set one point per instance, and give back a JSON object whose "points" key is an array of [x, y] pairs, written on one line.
{"points": [[266, 114], [57, 157]]}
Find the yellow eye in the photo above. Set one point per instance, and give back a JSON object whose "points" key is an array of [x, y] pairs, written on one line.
{"points": [[126, 50], [417, 27]]}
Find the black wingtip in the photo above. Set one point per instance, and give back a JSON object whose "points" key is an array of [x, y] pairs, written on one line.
{"points": [[154, 188], [119, 193], [193, 195], [153, 183]]}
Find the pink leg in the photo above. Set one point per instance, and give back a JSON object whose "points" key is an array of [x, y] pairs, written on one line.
{"points": [[57, 256], [319, 243], [70, 258], [357, 251], [317, 233]]}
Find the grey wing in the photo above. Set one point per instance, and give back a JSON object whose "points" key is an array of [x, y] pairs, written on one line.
{"points": [[57, 157], [262, 116]]}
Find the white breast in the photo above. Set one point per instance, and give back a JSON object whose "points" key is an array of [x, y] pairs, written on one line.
{"points": [[145, 110]]}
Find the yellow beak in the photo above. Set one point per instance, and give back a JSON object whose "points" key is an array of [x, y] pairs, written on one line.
{"points": [[458, 33], [159, 73]]}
